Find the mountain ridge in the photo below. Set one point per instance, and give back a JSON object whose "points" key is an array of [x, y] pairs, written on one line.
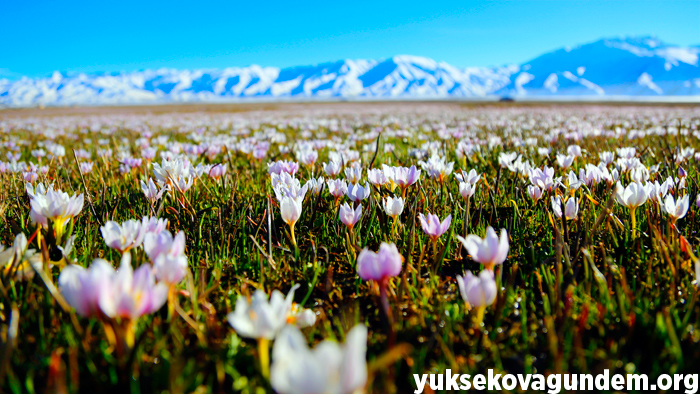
{"points": [[642, 66]]}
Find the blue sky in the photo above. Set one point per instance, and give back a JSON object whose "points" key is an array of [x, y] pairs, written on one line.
{"points": [[91, 36]]}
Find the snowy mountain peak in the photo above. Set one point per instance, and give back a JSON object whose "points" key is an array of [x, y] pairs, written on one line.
{"points": [[629, 66]]}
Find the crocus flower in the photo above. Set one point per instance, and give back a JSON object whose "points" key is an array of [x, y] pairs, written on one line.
{"points": [[393, 206], [315, 185], [477, 291], [357, 193], [676, 209], [86, 167], [281, 166], [337, 188], [471, 177], [130, 294], [261, 317], [124, 236], [56, 206], [291, 211], [376, 177], [379, 266], [167, 253], [565, 161], [534, 192], [353, 174], [82, 288], [632, 196], [490, 250], [405, 177], [466, 190], [218, 171], [100, 291], [328, 368], [20, 261], [349, 216], [151, 191], [332, 168], [570, 210], [432, 226]]}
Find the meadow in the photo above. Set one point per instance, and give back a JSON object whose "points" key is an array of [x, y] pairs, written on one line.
{"points": [[341, 248]]}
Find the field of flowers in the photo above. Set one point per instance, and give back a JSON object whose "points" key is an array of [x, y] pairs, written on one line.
{"points": [[342, 248]]}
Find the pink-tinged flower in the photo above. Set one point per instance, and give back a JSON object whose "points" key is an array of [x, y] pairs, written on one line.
{"points": [[82, 288], [379, 266], [149, 153], [281, 166], [353, 173], [405, 177], [574, 150], [125, 236], [490, 250], [86, 168], [131, 294], [349, 216], [151, 191], [534, 192], [328, 368], [478, 291], [376, 177], [332, 168], [218, 171], [307, 157], [570, 208], [100, 291], [676, 209], [30, 176], [357, 193], [167, 254], [437, 167], [337, 188], [432, 226], [154, 225], [164, 243]]}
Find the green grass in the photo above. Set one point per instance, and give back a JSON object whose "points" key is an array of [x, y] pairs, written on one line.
{"points": [[588, 299]]}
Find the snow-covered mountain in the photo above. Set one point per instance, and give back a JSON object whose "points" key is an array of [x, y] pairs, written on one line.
{"points": [[638, 66]]}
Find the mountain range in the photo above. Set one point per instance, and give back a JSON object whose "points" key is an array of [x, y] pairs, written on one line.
{"points": [[632, 67]]}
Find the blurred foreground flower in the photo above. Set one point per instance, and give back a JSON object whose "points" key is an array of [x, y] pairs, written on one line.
{"points": [[328, 368], [118, 298], [262, 319]]}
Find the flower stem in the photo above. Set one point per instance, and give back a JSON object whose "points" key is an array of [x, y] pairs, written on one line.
{"points": [[264, 354], [634, 223]]}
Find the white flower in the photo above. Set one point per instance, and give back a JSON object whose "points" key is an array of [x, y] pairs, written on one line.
{"points": [[260, 317], [358, 193], [676, 209], [393, 206], [570, 209], [328, 368]]}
